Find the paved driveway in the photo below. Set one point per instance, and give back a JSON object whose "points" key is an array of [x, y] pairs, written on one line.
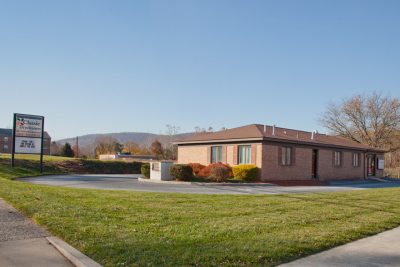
{"points": [[130, 182]]}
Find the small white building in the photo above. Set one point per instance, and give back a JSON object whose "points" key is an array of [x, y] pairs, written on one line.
{"points": [[160, 170], [126, 157]]}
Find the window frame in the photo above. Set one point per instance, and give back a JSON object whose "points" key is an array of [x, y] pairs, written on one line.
{"points": [[356, 163], [247, 157], [286, 158], [337, 161], [212, 154]]}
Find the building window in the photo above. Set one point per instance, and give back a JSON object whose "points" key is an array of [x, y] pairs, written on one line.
{"points": [[337, 161], [244, 155], [286, 159], [5, 139], [5, 147], [216, 154], [356, 159]]}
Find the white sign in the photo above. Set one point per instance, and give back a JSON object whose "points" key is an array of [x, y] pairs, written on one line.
{"points": [[29, 126], [381, 164], [28, 145]]}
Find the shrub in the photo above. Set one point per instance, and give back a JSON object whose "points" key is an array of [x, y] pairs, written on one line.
{"points": [[181, 172], [107, 167], [206, 171], [219, 173], [197, 167], [66, 151], [145, 170], [245, 172]]}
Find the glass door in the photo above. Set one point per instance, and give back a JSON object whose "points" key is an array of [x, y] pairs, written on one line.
{"points": [[371, 165], [314, 164]]}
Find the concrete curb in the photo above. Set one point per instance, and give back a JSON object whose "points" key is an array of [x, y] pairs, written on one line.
{"points": [[380, 180], [146, 180], [73, 255]]}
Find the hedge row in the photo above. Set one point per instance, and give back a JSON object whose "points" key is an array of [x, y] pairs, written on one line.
{"points": [[181, 172], [145, 170], [220, 172], [245, 172], [109, 167]]}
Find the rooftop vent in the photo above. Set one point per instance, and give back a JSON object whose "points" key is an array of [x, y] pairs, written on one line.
{"points": [[313, 134]]}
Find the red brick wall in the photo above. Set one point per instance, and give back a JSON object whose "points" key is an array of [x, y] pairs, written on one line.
{"points": [[2, 143], [302, 167], [268, 159], [193, 154], [202, 154], [273, 170], [224, 155], [327, 170], [235, 155]]}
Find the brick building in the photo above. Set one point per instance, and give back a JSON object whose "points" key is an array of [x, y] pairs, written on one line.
{"points": [[284, 154], [6, 141]]}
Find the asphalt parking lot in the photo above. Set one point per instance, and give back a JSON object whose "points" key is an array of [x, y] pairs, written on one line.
{"points": [[131, 183]]}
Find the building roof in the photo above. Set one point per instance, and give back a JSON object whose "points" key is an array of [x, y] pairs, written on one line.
{"points": [[259, 132], [9, 132]]}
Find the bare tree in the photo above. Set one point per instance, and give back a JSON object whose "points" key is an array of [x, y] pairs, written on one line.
{"points": [[144, 150], [156, 149], [373, 120], [107, 145], [368, 119], [88, 151], [170, 152], [132, 147], [55, 149], [198, 129]]}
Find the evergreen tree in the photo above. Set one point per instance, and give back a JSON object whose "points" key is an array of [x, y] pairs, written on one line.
{"points": [[67, 151]]}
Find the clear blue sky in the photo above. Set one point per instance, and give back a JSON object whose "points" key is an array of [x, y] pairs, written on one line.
{"points": [[111, 66]]}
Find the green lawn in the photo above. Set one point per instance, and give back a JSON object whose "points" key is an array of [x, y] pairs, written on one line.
{"points": [[118, 228], [35, 157], [29, 165]]}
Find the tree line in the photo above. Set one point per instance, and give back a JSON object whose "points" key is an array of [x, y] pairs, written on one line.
{"points": [[371, 119], [110, 145]]}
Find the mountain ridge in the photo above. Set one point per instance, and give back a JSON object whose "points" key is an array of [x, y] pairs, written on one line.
{"points": [[141, 138]]}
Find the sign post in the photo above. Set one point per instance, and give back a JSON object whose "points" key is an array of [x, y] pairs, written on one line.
{"points": [[28, 136]]}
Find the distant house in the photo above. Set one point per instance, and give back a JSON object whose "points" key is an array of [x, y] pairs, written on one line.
{"points": [[126, 157], [284, 154], [6, 141]]}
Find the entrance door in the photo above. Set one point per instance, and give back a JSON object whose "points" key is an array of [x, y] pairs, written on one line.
{"points": [[371, 165], [314, 171]]}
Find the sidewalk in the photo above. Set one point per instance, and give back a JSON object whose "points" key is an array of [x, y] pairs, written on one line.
{"points": [[22, 243], [379, 250]]}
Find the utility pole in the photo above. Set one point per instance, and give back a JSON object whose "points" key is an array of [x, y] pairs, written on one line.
{"points": [[77, 147]]}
